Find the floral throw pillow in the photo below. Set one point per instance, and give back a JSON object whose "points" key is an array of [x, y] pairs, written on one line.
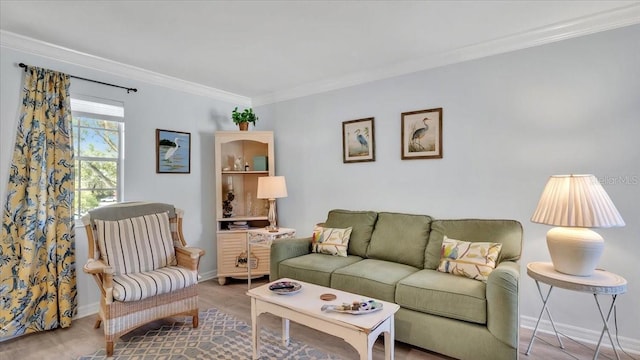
{"points": [[474, 260], [331, 241]]}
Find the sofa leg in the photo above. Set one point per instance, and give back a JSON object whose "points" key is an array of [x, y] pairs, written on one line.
{"points": [[98, 322], [109, 348]]}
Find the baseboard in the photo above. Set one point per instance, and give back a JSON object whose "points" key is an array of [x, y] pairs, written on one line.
{"points": [[91, 309], [580, 334], [87, 310]]}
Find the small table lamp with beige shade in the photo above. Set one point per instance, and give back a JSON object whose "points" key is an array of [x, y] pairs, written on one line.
{"points": [[272, 188], [575, 203]]}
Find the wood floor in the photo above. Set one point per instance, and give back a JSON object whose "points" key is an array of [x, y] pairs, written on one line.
{"points": [[82, 339]]}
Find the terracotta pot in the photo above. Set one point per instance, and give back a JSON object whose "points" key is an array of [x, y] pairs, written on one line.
{"points": [[244, 126]]}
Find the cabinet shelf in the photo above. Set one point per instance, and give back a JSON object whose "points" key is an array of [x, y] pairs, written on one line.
{"points": [[239, 172], [242, 218]]}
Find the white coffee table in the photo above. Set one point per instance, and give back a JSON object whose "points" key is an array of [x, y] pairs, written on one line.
{"points": [[303, 307]]}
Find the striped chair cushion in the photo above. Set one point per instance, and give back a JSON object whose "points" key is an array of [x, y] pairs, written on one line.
{"points": [[136, 244], [134, 287]]}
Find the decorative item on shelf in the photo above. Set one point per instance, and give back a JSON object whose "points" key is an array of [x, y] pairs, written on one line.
{"points": [[237, 163], [575, 203], [246, 166], [242, 119], [260, 163], [272, 188], [227, 204]]}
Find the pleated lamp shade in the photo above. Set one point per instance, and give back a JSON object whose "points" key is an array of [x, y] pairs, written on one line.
{"points": [[575, 203]]}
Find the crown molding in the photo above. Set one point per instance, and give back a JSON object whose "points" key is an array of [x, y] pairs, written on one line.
{"points": [[609, 20], [41, 48]]}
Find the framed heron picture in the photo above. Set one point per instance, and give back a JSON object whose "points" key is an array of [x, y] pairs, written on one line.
{"points": [[173, 152], [421, 134], [358, 142]]}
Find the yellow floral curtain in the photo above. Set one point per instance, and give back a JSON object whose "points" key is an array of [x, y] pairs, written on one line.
{"points": [[37, 252]]}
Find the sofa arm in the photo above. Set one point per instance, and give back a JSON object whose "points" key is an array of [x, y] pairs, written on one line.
{"points": [[283, 249], [502, 302]]}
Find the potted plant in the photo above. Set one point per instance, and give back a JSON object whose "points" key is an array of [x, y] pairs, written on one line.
{"points": [[242, 119]]}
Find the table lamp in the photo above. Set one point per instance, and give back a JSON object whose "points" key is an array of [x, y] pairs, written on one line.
{"points": [[271, 188], [575, 203]]}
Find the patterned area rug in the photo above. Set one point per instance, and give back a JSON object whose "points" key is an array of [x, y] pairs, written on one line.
{"points": [[219, 336]]}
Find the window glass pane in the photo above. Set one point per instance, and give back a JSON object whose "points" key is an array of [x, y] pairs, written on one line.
{"points": [[97, 143], [99, 176], [85, 201], [97, 123]]}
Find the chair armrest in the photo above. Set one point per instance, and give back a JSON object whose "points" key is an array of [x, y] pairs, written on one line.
{"points": [[283, 249], [103, 275], [502, 302], [189, 257], [94, 266]]}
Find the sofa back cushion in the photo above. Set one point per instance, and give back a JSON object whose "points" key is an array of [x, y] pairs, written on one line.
{"points": [[401, 238], [506, 232], [361, 222]]}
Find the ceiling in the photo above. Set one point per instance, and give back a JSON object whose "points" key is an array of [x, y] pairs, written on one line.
{"points": [[274, 50]]}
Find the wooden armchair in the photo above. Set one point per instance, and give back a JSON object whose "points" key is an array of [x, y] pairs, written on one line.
{"points": [[143, 268]]}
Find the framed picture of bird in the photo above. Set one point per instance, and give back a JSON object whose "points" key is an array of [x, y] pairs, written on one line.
{"points": [[173, 152], [421, 134], [358, 142]]}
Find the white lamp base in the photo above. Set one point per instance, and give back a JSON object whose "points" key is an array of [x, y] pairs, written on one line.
{"points": [[575, 251]]}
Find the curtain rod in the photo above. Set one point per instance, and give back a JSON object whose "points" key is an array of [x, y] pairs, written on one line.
{"points": [[22, 65]]}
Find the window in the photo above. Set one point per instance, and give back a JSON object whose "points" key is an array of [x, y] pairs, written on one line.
{"points": [[98, 134]]}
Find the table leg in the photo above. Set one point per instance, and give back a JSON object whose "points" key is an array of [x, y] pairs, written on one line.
{"points": [[545, 301], [248, 263], [389, 341], [605, 321], [255, 337], [285, 332]]}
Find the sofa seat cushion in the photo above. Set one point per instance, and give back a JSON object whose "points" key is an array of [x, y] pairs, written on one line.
{"points": [[314, 268], [400, 238], [372, 278], [139, 286], [443, 294]]}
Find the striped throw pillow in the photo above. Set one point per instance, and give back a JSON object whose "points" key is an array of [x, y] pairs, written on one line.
{"points": [[136, 244]]}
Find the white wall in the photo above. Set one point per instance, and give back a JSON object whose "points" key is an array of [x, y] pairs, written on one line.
{"points": [[510, 121], [150, 108]]}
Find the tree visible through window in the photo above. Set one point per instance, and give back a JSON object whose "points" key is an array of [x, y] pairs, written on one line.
{"points": [[98, 130]]}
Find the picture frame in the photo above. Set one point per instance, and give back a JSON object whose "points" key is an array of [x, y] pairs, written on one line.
{"points": [[173, 152], [421, 134], [358, 140]]}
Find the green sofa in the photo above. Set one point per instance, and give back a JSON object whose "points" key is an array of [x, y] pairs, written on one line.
{"points": [[394, 257]]}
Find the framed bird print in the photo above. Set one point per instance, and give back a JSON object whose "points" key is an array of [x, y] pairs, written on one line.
{"points": [[173, 152], [421, 133], [358, 143]]}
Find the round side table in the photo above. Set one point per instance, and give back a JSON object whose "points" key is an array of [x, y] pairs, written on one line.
{"points": [[600, 283]]}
